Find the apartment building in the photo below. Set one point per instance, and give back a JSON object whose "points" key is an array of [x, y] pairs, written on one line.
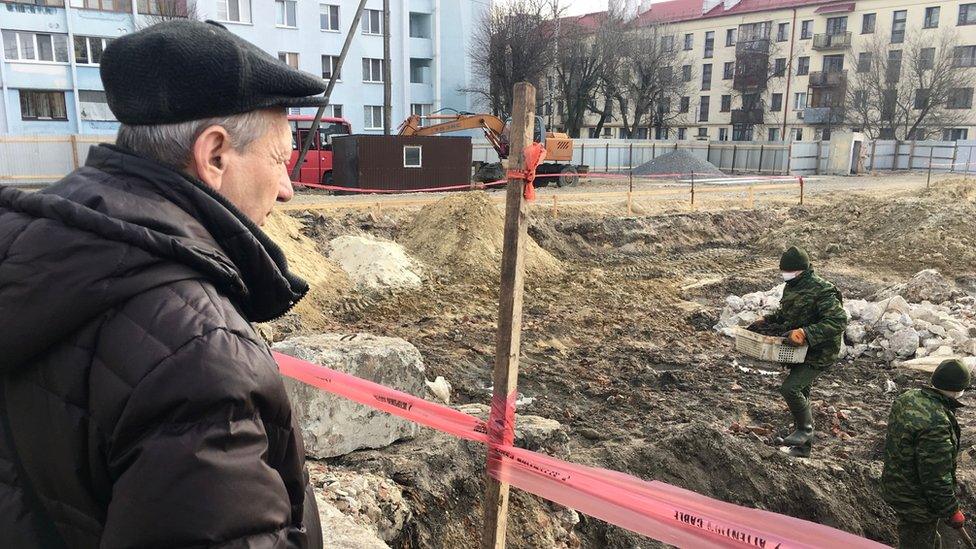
{"points": [[775, 70], [51, 49]]}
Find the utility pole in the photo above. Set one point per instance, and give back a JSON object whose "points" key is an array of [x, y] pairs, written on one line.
{"points": [[387, 80], [328, 92]]}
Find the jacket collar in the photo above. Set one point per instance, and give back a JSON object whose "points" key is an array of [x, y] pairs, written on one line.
{"points": [[947, 400]]}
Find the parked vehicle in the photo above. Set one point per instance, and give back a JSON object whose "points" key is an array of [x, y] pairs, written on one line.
{"points": [[317, 166]]}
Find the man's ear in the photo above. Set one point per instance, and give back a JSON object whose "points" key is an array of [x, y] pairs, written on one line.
{"points": [[209, 156]]}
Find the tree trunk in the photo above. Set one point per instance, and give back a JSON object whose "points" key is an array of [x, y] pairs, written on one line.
{"points": [[607, 110]]}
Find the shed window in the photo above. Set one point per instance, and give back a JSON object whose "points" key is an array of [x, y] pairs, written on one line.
{"points": [[412, 156]]}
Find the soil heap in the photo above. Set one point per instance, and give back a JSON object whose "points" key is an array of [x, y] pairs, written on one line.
{"points": [[375, 264], [678, 161], [327, 281], [462, 234]]}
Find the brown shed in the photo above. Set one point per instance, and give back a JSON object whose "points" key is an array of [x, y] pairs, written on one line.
{"points": [[401, 162]]}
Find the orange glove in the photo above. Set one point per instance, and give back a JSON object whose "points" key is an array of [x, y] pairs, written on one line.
{"points": [[957, 520], [796, 338]]}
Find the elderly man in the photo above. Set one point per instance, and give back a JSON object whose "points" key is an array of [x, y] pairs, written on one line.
{"points": [[919, 478], [138, 408]]}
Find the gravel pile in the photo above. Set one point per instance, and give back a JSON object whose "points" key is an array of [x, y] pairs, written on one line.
{"points": [[677, 162], [942, 324]]}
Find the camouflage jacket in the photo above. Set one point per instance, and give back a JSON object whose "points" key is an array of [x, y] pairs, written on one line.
{"points": [[919, 478], [812, 303]]}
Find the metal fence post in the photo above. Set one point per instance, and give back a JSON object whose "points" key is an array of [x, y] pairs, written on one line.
{"points": [[894, 160], [631, 166], [692, 190], [955, 151], [789, 158], [606, 158], [928, 178], [760, 158], [732, 170]]}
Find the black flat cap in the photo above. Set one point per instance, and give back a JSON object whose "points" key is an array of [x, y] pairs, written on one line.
{"points": [[188, 70]]}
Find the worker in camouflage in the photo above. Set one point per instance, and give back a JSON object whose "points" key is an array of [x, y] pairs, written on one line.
{"points": [[810, 313], [919, 478]]}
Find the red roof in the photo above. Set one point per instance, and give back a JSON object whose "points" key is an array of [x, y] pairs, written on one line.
{"points": [[683, 10], [749, 6]]}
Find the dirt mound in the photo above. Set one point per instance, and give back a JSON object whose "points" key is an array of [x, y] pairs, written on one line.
{"points": [[905, 233], [463, 233], [677, 162], [327, 281]]}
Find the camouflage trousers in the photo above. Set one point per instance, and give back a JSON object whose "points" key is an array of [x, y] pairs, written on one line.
{"points": [[916, 535], [796, 387]]}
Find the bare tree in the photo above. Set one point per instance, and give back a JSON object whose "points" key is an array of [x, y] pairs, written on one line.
{"points": [[585, 59], [910, 90], [649, 83], [514, 43], [157, 11]]}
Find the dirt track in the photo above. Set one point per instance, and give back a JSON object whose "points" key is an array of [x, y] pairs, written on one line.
{"points": [[619, 347]]}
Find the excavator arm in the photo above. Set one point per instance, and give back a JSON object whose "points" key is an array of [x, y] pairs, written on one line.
{"points": [[492, 126]]}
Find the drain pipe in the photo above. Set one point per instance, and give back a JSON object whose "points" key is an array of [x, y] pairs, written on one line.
{"points": [[789, 76]]}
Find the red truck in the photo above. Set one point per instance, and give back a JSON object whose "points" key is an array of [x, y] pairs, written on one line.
{"points": [[317, 167]]}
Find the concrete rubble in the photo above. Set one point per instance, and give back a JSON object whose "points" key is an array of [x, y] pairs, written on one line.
{"points": [[331, 425], [890, 329]]}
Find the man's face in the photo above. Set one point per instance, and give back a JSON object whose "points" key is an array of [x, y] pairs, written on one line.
{"points": [[257, 176]]}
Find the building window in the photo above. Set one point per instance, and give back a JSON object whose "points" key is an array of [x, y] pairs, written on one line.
{"points": [[166, 8], [372, 70], [703, 109], [690, 41], [330, 65], [931, 18], [798, 134], [921, 98], [667, 43], [607, 133], [234, 11], [285, 13], [730, 37], [373, 117], [726, 103], [955, 134], [779, 66], [703, 132], [413, 156], [289, 58], [723, 134], [860, 99], [682, 133], [967, 14], [94, 106], [728, 70], [42, 105], [560, 108], [660, 132], [37, 47], [960, 98], [799, 100], [836, 25], [782, 32], [421, 109], [926, 58], [328, 17], [372, 22], [709, 44], [123, 6], [802, 66], [336, 110], [806, 30], [833, 63], [773, 134], [88, 49], [868, 21], [706, 77], [776, 102], [898, 26], [47, 3], [420, 71], [684, 105], [419, 25], [964, 56], [864, 61], [686, 73]]}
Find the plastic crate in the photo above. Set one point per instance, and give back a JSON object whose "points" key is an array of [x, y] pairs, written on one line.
{"points": [[768, 348]]}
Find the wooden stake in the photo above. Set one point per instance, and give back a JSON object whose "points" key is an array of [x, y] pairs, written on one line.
{"points": [[630, 202], [508, 338], [555, 208], [752, 198], [73, 141]]}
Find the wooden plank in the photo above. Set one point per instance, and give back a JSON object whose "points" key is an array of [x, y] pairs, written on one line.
{"points": [[45, 177], [508, 338], [74, 151], [34, 139]]}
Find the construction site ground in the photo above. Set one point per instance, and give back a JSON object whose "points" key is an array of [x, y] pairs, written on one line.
{"points": [[618, 345]]}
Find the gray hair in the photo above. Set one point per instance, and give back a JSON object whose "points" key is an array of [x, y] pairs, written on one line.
{"points": [[172, 144]]}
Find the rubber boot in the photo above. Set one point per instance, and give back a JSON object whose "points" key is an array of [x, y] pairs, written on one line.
{"points": [[801, 451], [803, 434]]}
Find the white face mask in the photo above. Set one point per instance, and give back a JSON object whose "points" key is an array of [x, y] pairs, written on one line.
{"points": [[790, 275], [954, 394]]}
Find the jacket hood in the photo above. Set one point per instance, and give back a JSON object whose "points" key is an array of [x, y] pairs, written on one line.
{"points": [[113, 229]]}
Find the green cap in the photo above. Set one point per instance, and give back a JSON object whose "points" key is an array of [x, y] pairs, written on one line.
{"points": [[951, 375], [794, 259]]}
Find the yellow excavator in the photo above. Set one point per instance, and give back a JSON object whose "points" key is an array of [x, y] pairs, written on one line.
{"points": [[559, 146]]}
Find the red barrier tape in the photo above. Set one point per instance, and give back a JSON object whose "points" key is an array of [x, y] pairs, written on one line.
{"points": [[655, 509]]}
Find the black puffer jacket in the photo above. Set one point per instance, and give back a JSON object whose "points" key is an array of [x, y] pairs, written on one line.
{"points": [[137, 406]]}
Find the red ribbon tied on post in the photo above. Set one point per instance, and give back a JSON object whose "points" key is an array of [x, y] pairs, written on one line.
{"points": [[533, 155]]}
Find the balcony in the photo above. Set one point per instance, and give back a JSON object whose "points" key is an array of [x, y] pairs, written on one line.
{"points": [[758, 46], [751, 74], [823, 115], [747, 117], [828, 79], [828, 42]]}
